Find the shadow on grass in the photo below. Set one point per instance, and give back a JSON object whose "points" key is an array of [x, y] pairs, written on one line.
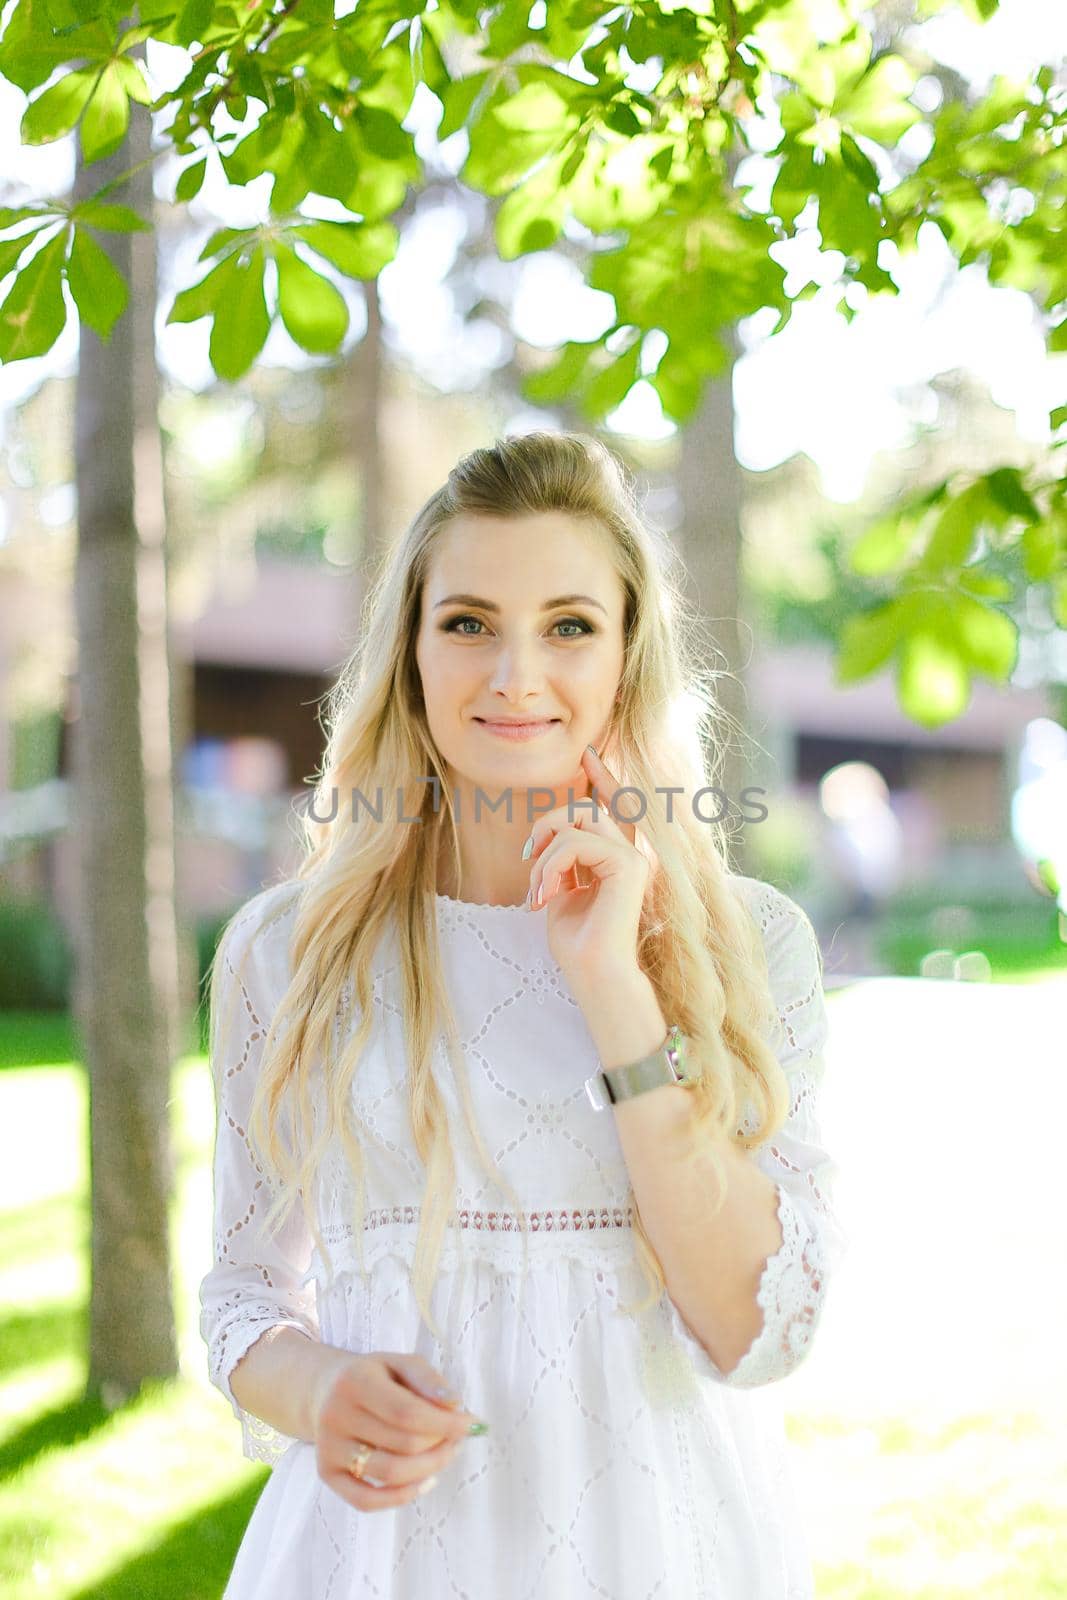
{"points": [[192, 1563], [59, 1429], [34, 1338], [38, 1038]]}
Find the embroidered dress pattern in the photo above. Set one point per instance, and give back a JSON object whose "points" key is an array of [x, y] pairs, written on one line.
{"points": [[621, 1460]]}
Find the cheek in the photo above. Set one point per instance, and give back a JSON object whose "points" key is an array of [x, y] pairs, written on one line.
{"points": [[445, 673], [595, 674]]}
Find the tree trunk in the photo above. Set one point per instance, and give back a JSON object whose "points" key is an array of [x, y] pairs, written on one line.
{"points": [[125, 985], [364, 390], [710, 537]]}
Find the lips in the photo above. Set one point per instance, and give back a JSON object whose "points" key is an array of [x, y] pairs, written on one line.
{"points": [[522, 722], [517, 732]]}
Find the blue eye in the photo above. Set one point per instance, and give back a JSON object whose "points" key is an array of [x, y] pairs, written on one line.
{"points": [[579, 622]]}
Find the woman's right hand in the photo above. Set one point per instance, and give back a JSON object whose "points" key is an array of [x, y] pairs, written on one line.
{"points": [[380, 1400]]}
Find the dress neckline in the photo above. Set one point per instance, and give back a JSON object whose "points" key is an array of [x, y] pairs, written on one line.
{"points": [[481, 905]]}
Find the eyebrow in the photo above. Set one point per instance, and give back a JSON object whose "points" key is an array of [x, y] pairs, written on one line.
{"points": [[549, 605]]}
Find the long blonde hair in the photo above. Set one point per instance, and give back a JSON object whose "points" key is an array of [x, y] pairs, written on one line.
{"points": [[700, 948]]}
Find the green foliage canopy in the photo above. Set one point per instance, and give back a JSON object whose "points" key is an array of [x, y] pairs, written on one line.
{"points": [[560, 131]]}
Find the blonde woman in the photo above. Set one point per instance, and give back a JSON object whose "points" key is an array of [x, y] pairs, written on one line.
{"points": [[520, 1204]]}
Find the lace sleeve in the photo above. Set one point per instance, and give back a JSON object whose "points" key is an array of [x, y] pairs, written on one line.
{"points": [[794, 1281], [256, 1280]]}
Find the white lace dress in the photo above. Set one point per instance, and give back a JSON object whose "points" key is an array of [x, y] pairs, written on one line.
{"points": [[621, 1462]]}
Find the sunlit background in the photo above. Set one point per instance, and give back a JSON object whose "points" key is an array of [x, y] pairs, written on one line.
{"points": [[932, 862]]}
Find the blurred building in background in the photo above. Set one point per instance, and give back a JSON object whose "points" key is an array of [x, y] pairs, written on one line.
{"points": [[860, 800], [267, 507]]}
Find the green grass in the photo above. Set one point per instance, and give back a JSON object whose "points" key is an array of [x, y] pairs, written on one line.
{"points": [[149, 1501], [1023, 941], [146, 1502], [36, 1038]]}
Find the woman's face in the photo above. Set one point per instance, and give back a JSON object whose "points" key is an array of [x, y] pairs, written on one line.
{"points": [[506, 648]]}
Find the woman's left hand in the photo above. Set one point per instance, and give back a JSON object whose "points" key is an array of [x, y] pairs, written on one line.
{"points": [[592, 928]]}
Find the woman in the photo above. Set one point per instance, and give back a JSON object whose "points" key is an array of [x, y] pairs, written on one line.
{"points": [[511, 1047]]}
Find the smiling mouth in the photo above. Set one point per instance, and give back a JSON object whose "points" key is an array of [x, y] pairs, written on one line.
{"points": [[518, 730]]}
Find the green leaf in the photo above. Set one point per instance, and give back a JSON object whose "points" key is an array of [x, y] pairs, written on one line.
{"points": [[431, 63], [954, 532], [30, 52], [259, 151], [867, 641], [1040, 549], [932, 681], [157, 17], [63, 14], [111, 218], [609, 387], [536, 105], [988, 639], [242, 321], [382, 133], [562, 377], [501, 155], [1059, 600], [313, 311], [796, 112], [389, 78], [359, 250], [193, 20], [860, 165], [35, 313], [55, 112], [132, 79], [987, 585], [877, 106], [1007, 488], [10, 216], [847, 220], [531, 218], [99, 289], [615, 186], [677, 382], [1048, 872], [103, 127], [457, 100], [883, 546], [363, 182], [11, 250], [825, 72], [221, 240], [190, 180], [1057, 417], [796, 182], [200, 299]]}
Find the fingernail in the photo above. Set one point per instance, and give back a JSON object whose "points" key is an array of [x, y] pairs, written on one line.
{"points": [[527, 849], [424, 1488], [540, 893], [593, 748], [478, 1427], [444, 1394], [526, 902]]}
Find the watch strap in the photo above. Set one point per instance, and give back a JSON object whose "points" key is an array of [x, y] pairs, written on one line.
{"points": [[665, 1064]]}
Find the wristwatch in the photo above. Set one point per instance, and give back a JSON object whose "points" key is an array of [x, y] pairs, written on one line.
{"points": [[667, 1064]]}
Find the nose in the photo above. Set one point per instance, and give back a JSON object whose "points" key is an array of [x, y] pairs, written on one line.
{"points": [[516, 674]]}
